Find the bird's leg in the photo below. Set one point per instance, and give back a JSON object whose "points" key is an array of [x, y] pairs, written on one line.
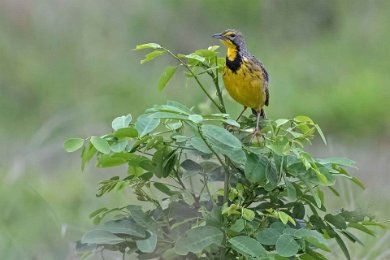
{"points": [[257, 129], [242, 112]]}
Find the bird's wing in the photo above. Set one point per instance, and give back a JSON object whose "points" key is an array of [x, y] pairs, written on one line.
{"points": [[266, 94], [266, 79]]}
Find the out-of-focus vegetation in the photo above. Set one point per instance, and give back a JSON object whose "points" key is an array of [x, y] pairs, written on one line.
{"points": [[60, 61]]}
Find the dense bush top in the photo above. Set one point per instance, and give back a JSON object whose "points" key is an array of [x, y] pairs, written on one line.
{"points": [[209, 189]]}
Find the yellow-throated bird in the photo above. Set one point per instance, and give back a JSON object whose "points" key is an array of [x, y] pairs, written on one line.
{"points": [[244, 76]]}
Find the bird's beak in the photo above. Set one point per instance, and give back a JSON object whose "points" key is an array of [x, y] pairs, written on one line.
{"points": [[218, 36]]}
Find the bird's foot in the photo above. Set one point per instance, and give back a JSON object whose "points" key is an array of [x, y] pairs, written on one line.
{"points": [[256, 134]]}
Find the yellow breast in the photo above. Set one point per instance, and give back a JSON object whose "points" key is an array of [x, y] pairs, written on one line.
{"points": [[246, 85]]}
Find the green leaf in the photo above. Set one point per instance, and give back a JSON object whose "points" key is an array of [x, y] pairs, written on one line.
{"points": [[179, 138], [147, 245], [200, 145], [268, 236], [231, 122], [298, 211], [166, 76], [321, 177], [255, 168], [291, 192], [110, 160], [336, 220], [224, 142], [164, 161], [317, 243], [196, 57], [163, 188], [142, 218], [278, 226], [101, 237], [207, 53], [179, 106], [352, 237], [238, 225], [121, 122], [195, 118], [353, 216], [248, 214], [97, 212], [361, 228], [168, 115], [152, 55], [190, 165], [247, 246], [86, 155], [280, 145], [126, 132], [124, 226], [272, 176], [73, 144], [320, 133], [148, 46], [342, 246], [174, 125], [284, 217], [338, 161], [197, 239], [100, 144], [374, 223], [119, 146], [303, 119], [286, 246], [146, 124], [280, 122], [358, 182]]}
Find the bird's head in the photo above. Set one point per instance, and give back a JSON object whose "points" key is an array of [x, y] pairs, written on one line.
{"points": [[233, 40]]}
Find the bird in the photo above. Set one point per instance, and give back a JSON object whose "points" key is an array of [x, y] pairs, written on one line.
{"points": [[245, 77]]}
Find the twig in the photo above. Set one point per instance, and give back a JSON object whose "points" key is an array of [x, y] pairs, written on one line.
{"points": [[225, 167], [216, 83], [196, 79]]}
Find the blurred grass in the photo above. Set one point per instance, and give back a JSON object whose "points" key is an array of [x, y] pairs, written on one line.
{"points": [[67, 68]]}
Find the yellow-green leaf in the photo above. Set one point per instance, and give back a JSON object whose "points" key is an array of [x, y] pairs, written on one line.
{"points": [[166, 76], [73, 144], [100, 144], [147, 46], [150, 56]]}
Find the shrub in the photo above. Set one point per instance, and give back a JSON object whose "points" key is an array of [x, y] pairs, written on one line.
{"points": [[208, 189]]}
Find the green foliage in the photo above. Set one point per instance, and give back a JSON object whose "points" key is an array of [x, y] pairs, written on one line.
{"points": [[271, 203]]}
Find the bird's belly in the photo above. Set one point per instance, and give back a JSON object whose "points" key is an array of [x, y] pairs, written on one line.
{"points": [[244, 87]]}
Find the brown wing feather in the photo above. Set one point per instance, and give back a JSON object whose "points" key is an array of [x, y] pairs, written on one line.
{"points": [[266, 78]]}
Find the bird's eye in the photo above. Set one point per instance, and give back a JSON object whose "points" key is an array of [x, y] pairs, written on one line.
{"points": [[232, 36]]}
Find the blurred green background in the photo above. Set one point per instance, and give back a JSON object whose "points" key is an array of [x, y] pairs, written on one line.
{"points": [[67, 69]]}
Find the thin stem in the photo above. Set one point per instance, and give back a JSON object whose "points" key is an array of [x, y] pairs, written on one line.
{"points": [[207, 187], [216, 83], [181, 182], [181, 147], [177, 172], [196, 79], [226, 184], [225, 167]]}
